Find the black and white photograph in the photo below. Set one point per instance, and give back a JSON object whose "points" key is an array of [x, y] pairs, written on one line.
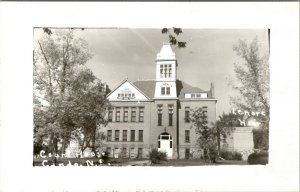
{"points": [[154, 97], [149, 96]]}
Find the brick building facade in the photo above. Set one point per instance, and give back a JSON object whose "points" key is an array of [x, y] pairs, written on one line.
{"points": [[153, 114]]}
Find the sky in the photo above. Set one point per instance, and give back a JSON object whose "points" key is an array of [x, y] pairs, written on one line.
{"points": [[208, 57]]}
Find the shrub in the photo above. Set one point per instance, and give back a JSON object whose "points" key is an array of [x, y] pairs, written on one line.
{"points": [[230, 155], [157, 156], [258, 158]]}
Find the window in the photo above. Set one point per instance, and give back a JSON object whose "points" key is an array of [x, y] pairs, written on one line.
{"points": [[116, 152], [187, 115], [187, 153], [159, 112], [165, 71], [132, 152], [171, 111], [140, 135], [170, 119], [141, 114], [140, 152], [132, 135], [126, 95], [117, 135], [108, 150], [170, 70], [109, 133], [124, 135], [110, 115], [171, 144], [187, 136], [159, 123], [125, 115], [133, 114], [163, 90], [168, 90], [204, 109], [124, 152], [193, 95], [118, 114]]}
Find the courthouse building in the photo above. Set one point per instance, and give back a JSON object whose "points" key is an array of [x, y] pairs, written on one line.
{"points": [[153, 114]]}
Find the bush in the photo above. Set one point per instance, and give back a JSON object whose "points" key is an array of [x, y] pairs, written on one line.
{"points": [[157, 156], [258, 158], [230, 155]]}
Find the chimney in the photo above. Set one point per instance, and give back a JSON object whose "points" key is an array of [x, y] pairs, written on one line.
{"points": [[212, 90]]}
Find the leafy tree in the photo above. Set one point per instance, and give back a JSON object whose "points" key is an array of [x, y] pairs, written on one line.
{"points": [[89, 100], [67, 96], [207, 134], [225, 126], [172, 38], [253, 83], [211, 135]]}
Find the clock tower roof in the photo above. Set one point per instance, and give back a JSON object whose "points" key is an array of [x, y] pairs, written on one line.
{"points": [[166, 53]]}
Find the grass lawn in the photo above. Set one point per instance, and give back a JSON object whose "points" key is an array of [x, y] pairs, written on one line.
{"points": [[125, 162], [198, 162]]}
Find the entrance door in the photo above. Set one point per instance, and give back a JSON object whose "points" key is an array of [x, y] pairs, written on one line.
{"points": [[165, 144]]}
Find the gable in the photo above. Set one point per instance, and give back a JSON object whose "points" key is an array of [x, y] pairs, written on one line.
{"points": [[127, 92]]}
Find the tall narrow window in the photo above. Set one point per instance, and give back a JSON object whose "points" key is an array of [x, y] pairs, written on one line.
{"points": [[140, 152], [125, 116], [163, 90], [109, 133], [168, 90], [124, 135], [204, 108], [171, 111], [161, 71], [117, 135], [124, 152], [110, 115], [132, 135], [133, 114], [187, 115], [118, 114], [187, 136], [165, 71], [159, 115], [141, 135], [141, 114], [170, 71], [187, 153], [108, 150]]}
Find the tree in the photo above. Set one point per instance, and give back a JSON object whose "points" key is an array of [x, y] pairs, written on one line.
{"points": [[172, 38], [207, 134], [211, 135], [253, 83], [90, 104], [66, 94], [225, 126]]}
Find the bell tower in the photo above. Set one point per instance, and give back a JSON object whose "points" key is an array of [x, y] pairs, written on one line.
{"points": [[166, 71]]}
